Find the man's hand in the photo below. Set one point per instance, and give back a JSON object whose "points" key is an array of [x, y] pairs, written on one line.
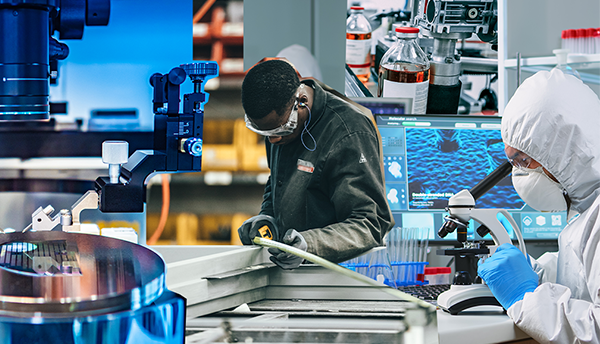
{"points": [[286, 260], [508, 274], [250, 228]]}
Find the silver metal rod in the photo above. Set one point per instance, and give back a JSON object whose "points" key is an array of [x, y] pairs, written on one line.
{"points": [[518, 69]]}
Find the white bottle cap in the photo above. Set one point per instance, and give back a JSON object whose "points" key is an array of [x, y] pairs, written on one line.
{"points": [[561, 55]]}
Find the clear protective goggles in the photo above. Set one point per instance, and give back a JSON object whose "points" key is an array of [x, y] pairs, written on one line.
{"points": [[283, 130], [520, 160]]}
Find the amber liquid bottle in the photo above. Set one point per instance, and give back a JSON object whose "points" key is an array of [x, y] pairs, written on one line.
{"points": [[358, 44], [404, 71]]}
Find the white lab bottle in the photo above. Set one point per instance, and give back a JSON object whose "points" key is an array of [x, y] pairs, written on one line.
{"points": [[358, 43], [404, 70], [561, 58]]}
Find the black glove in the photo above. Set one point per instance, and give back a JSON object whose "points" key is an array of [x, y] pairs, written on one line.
{"points": [[250, 229], [288, 261]]}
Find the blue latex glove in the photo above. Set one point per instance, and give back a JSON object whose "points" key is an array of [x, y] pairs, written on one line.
{"points": [[286, 260], [508, 274]]}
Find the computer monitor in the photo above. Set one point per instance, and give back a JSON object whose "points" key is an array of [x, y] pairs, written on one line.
{"points": [[385, 106], [429, 158]]}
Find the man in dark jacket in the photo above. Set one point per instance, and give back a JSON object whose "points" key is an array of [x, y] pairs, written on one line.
{"points": [[325, 193]]}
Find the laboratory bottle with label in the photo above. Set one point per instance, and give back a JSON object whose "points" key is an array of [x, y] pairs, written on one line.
{"points": [[358, 43], [404, 70]]}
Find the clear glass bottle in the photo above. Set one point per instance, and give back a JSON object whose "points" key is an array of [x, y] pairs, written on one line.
{"points": [[404, 70], [358, 43], [561, 57]]}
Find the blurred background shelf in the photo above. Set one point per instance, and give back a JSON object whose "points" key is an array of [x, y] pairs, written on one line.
{"points": [[587, 65], [218, 35], [206, 208]]}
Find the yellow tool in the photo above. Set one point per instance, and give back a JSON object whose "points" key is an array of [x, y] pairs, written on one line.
{"points": [[265, 232], [265, 228]]}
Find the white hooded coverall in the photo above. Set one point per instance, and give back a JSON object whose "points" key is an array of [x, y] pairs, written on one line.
{"points": [[555, 119]]}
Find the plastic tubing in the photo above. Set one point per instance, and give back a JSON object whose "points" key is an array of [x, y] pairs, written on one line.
{"points": [[342, 270]]}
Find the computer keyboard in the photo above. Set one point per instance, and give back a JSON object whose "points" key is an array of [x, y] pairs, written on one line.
{"points": [[428, 292]]}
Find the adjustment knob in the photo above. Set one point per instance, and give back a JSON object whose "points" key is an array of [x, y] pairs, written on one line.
{"points": [[201, 69], [115, 153], [192, 146]]}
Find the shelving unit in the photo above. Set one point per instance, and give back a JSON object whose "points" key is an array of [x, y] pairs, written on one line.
{"points": [[228, 191], [535, 43], [207, 207], [217, 39], [582, 63]]}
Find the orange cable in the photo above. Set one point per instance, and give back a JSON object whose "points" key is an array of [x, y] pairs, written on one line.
{"points": [[202, 11], [164, 211]]}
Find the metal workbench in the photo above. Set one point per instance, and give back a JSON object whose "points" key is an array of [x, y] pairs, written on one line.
{"points": [[235, 293]]}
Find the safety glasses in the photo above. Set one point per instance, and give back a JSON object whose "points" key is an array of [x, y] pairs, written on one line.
{"points": [[520, 160], [283, 130]]}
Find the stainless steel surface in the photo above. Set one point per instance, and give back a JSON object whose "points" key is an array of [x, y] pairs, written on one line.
{"points": [[481, 65], [56, 274], [17, 208], [193, 272], [88, 201], [41, 220], [445, 67], [315, 330], [311, 304], [453, 18]]}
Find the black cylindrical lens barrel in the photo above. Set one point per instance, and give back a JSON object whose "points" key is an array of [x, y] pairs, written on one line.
{"points": [[491, 180], [461, 234], [24, 62]]}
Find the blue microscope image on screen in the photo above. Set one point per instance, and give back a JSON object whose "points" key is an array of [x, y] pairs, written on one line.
{"points": [[441, 162]]}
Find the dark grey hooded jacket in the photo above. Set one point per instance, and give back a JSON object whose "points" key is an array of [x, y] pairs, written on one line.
{"points": [[334, 196]]}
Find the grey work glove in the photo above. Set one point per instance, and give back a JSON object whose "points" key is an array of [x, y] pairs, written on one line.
{"points": [[288, 261], [250, 228]]}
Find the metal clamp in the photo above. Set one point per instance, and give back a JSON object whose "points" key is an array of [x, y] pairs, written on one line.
{"points": [[88, 201]]}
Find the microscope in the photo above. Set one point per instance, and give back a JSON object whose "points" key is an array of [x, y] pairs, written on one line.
{"points": [[465, 292]]}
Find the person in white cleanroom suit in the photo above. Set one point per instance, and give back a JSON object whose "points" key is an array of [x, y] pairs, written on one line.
{"points": [[551, 131]]}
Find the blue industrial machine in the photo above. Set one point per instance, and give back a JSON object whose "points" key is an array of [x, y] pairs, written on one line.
{"points": [[177, 138], [61, 286]]}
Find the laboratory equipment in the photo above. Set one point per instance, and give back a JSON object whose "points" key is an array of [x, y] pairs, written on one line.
{"points": [[461, 209], [177, 138], [358, 43], [59, 285], [27, 66], [79, 288], [400, 262], [439, 275], [55, 161], [429, 158], [448, 21], [404, 70], [177, 148]]}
